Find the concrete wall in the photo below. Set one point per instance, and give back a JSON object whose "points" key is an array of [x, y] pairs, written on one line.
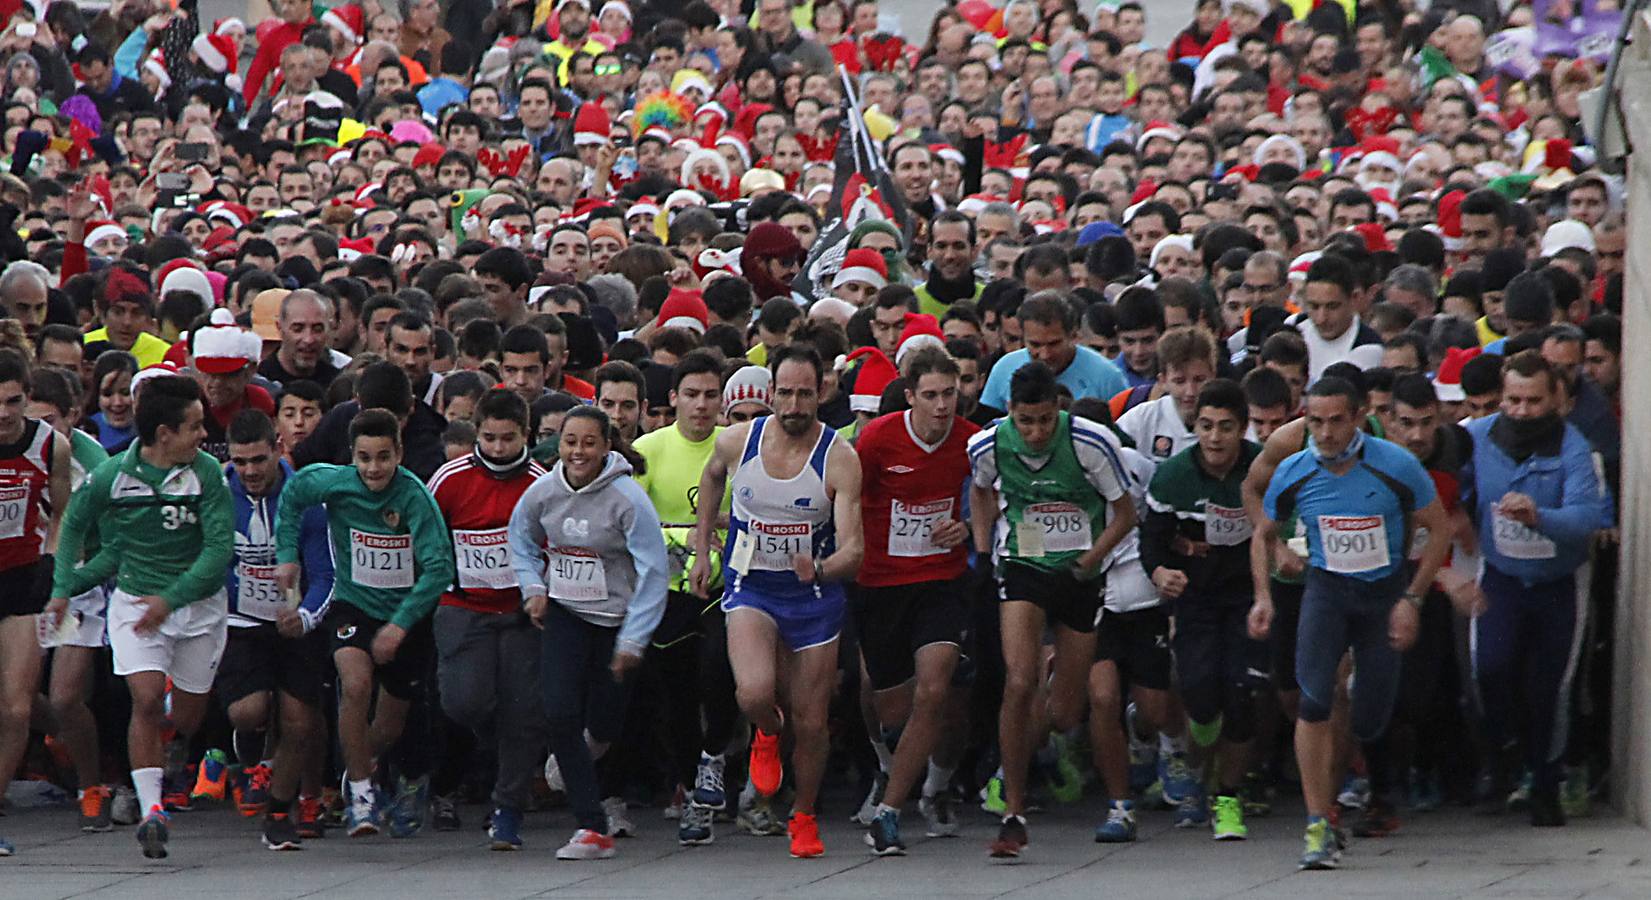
{"points": [[1631, 778]]}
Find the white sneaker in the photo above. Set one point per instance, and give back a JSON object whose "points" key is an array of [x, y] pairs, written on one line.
{"points": [[587, 844], [619, 823], [940, 812], [123, 810], [553, 775]]}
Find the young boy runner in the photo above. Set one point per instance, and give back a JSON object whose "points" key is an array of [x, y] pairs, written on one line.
{"points": [[1195, 543], [487, 650], [393, 559], [167, 522], [911, 606]]}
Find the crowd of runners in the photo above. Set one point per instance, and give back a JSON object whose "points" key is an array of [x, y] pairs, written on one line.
{"points": [[411, 414]]}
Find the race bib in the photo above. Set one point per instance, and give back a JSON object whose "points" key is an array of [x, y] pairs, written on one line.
{"points": [[1225, 526], [1516, 540], [1353, 544], [483, 559], [1063, 528], [910, 527], [257, 596], [14, 509], [381, 560], [576, 575], [770, 546]]}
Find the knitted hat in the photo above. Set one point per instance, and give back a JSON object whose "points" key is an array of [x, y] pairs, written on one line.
{"points": [[863, 265], [684, 309], [221, 350], [751, 384], [922, 330], [188, 278], [347, 20], [771, 240], [1448, 382], [591, 125], [875, 374]]}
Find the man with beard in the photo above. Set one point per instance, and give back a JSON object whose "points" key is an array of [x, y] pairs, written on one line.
{"points": [[794, 538], [771, 259], [1537, 499], [950, 265]]}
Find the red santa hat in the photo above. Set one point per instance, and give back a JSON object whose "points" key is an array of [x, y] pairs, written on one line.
{"points": [[740, 145], [351, 250], [591, 125], [234, 215], [1300, 265], [684, 309], [155, 64], [99, 230], [1157, 129], [347, 20], [428, 155], [1375, 239], [864, 265], [875, 374], [947, 152], [1448, 382], [1450, 219], [221, 349], [188, 278], [217, 52], [922, 330], [228, 26]]}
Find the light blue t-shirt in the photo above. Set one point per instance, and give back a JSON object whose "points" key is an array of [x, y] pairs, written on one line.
{"points": [[1088, 375], [1355, 521]]}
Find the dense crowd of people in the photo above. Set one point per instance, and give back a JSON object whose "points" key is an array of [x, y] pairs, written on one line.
{"points": [[1173, 423]]}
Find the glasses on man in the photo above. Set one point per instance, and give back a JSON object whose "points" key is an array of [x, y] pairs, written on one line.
{"points": [[606, 69]]}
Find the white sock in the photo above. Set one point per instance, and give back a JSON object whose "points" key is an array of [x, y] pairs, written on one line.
{"points": [[361, 789], [938, 779], [885, 759], [1167, 744], [148, 783]]}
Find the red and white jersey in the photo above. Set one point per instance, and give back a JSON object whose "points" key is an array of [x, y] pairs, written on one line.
{"points": [[25, 473], [907, 488], [477, 504]]}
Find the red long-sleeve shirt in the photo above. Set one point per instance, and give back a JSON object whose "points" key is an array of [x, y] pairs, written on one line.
{"points": [[268, 58]]}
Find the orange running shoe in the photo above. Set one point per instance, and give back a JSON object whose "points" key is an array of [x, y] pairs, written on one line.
{"points": [[766, 770], [212, 779], [805, 836], [255, 797], [95, 807]]}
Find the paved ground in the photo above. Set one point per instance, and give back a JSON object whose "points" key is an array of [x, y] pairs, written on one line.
{"points": [[1450, 854]]}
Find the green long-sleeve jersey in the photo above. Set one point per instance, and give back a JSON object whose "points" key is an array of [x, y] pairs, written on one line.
{"points": [[392, 555], [167, 532]]}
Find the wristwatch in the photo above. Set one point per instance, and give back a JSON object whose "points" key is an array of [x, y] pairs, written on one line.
{"points": [[1412, 598]]}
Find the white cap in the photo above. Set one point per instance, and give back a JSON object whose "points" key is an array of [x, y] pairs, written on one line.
{"points": [[1565, 234]]}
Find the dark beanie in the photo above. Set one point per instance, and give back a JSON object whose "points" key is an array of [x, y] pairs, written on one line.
{"points": [[771, 240], [1528, 298]]}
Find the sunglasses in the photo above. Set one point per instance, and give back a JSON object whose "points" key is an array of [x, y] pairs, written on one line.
{"points": [[609, 69]]}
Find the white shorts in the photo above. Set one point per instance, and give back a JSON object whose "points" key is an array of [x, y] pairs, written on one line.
{"points": [[187, 646], [92, 608]]}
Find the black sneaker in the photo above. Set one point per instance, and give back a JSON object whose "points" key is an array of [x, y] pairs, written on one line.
{"points": [[445, 813], [281, 832], [1011, 839], [1545, 809]]}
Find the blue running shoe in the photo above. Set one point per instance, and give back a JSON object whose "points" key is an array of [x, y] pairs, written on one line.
{"points": [[883, 834], [154, 833], [1355, 793], [1177, 778], [709, 790], [1191, 812], [1119, 827], [694, 828], [360, 813], [506, 829], [407, 812], [6, 848]]}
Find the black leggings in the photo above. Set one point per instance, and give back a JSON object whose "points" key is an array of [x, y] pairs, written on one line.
{"points": [[695, 679]]}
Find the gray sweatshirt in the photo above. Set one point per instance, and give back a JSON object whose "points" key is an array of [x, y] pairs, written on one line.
{"points": [[598, 550]]}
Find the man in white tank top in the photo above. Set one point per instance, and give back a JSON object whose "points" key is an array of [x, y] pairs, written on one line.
{"points": [[794, 539]]}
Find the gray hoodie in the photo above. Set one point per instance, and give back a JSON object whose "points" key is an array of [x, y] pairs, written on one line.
{"points": [[598, 550]]}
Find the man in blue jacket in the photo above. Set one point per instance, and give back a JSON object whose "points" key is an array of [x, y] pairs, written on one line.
{"points": [[1535, 494], [274, 647]]}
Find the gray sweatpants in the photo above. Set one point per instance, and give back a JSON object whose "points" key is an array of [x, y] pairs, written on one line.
{"points": [[488, 672]]}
